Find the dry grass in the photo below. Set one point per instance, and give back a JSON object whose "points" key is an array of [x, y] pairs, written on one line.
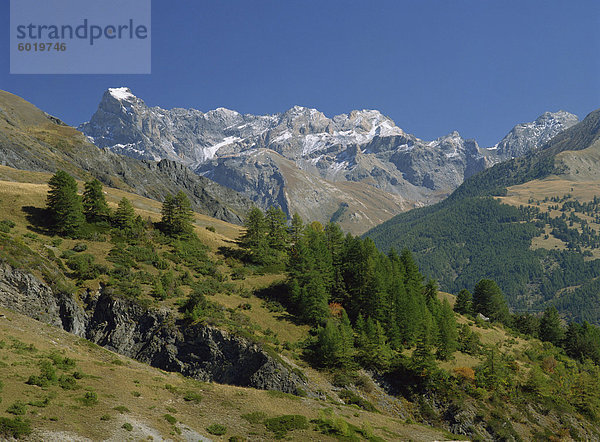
{"points": [[122, 382]]}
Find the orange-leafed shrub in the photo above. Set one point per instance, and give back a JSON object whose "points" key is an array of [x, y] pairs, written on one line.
{"points": [[465, 373]]}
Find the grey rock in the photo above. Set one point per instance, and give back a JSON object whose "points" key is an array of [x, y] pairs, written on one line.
{"points": [[527, 137]]}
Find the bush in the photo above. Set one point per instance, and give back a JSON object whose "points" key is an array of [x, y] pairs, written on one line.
{"points": [[67, 382], [350, 397], [18, 408], [80, 247], [280, 425], [16, 427], [47, 375], [217, 429], [60, 362], [170, 419], [6, 225], [191, 396], [121, 409], [83, 266], [211, 229], [127, 426], [90, 399]]}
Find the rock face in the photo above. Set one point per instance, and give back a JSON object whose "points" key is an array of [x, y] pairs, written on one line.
{"points": [[303, 161], [527, 137], [150, 336]]}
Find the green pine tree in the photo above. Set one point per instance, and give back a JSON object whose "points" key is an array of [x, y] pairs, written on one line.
{"points": [[489, 301], [183, 215], [447, 333], [277, 232], [551, 329], [464, 303], [64, 204], [254, 238], [124, 217], [95, 206]]}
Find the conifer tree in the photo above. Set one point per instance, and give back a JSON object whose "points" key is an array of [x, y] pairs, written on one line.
{"points": [[347, 340], [422, 360], [64, 204], [489, 301], [277, 232], [550, 327], [125, 215], [168, 214], [464, 303], [329, 346], [254, 238], [447, 333], [296, 228], [183, 215], [95, 207]]}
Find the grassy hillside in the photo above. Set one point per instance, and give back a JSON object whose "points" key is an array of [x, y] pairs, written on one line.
{"points": [[498, 382], [154, 403]]}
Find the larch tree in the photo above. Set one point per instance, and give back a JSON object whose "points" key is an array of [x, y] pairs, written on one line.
{"points": [[64, 204]]}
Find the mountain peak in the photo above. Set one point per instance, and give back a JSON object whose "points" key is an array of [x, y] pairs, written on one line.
{"points": [[120, 93]]}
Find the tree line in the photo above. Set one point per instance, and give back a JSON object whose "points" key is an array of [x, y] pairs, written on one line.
{"points": [[74, 215]]}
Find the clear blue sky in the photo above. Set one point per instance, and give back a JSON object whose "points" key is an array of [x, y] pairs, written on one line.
{"points": [[433, 66]]}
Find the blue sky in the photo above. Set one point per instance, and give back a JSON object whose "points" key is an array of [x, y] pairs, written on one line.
{"points": [[433, 66]]}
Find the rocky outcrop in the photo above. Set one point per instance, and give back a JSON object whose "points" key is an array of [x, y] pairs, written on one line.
{"points": [[527, 137], [151, 336]]}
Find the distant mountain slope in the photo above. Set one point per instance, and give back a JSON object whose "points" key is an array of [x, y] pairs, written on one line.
{"points": [[364, 149], [472, 235], [30, 139]]}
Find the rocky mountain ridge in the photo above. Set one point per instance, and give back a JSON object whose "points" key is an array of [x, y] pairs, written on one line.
{"points": [[363, 148]]}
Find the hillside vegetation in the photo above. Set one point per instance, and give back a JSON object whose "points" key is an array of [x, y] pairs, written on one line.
{"points": [[526, 223], [379, 347]]}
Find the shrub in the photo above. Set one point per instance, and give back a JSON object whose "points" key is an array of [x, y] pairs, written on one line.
{"points": [[90, 398], [67, 382], [16, 427], [67, 254], [280, 425], [18, 408], [350, 397], [217, 429], [105, 417], [60, 362], [211, 229], [6, 225], [127, 426], [47, 375], [465, 374], [83, 266], [80, 247], [170, 419], [121, 409], [192, 396]]}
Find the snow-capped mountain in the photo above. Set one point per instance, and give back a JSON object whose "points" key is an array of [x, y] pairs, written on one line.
{"points": [[527, 137], [304, 161]]}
